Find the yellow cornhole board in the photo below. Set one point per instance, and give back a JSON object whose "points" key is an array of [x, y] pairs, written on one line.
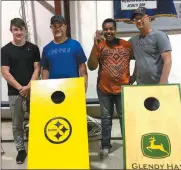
{"points": [[58, 137], [152, 139]]}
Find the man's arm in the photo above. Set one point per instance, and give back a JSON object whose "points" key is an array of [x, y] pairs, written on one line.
{"points": [[36, 65], [9, 78], [26, 89], [93, 59], [36, 73], [165, 49], [83, 73], [45, 74], [5, 69], [167, 64], [133, 77], [80, 61]]}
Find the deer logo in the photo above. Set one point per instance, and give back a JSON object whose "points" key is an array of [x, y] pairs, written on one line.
{"points": [[156, 145]]}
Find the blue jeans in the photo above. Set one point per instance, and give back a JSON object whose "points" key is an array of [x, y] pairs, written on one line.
{"points": [[107, 102]]}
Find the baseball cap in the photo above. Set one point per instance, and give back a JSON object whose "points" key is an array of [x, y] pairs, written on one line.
{"points": [[58, 18], [140, 11]]}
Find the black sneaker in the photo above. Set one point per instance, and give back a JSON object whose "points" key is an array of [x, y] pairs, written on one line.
{"points": [[21, 157]]}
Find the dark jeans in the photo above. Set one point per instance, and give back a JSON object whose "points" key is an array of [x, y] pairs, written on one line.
{"points": [[107, 102]]}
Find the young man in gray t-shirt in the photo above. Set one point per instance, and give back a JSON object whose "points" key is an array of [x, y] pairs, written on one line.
{"points": [[152, 52]]}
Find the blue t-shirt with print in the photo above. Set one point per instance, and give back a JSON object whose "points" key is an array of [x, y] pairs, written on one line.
{"points": [[62, 60]]}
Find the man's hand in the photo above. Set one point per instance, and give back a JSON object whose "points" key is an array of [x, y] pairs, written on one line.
{"points": [[25, 91], [97, 38]]}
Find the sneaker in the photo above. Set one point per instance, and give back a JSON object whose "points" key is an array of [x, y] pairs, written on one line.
{"points": [[21, 157], [104, 153]]}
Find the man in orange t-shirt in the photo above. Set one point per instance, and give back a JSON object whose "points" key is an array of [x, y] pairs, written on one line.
{"points": [[113, 56]]}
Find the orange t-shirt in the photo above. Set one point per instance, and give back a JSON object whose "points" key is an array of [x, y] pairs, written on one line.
{"points": [[114, 66]]}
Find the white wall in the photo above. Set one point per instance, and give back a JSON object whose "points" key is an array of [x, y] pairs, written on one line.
{"points": [[86, 17]]}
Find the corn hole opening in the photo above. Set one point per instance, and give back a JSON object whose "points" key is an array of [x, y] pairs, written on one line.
{"points": [[57, 97], [151, 104]]}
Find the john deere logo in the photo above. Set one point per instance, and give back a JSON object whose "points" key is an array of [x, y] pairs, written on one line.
{"points": [[57, 130], [155, 145]]}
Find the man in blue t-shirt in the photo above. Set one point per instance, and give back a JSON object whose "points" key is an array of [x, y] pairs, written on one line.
{"points": [[64, 57]]}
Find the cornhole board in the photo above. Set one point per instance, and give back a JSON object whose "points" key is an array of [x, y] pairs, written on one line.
{"points": [[152, 139], [58, 137]]}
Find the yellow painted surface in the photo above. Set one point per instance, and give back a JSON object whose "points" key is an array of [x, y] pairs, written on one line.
{"points": [[152, 138], [58, 137]]}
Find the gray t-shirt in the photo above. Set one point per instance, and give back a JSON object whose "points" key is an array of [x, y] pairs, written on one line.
{"points": [[147, 52]]}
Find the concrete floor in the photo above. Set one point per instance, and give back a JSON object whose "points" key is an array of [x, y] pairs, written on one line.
{"points": [[114, 161]]}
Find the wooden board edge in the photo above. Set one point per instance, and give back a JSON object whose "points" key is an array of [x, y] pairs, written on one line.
{"points": [[123, 130]]}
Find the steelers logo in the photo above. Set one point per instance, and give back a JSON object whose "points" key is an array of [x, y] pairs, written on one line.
{"points": [[58, 130]]}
